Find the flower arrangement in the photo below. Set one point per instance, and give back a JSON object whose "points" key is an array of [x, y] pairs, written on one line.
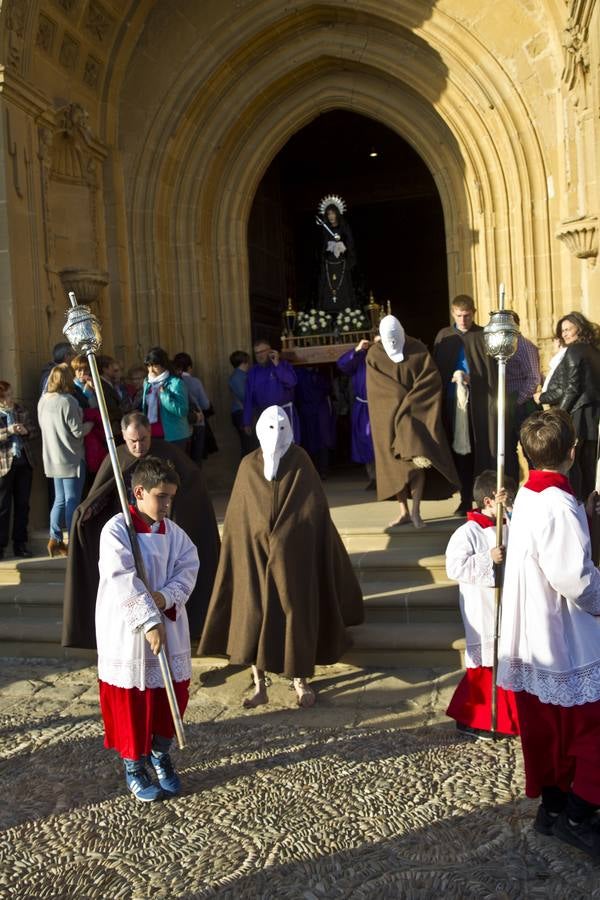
{"points": [[352, 320], [313, 321]]}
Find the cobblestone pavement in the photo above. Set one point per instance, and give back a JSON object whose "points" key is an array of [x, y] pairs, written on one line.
{"points": [[370, 794]]}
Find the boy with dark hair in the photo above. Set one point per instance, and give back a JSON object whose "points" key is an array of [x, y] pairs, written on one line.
{"points": [[240, 360], [470, 558], [550, 637], [130, 630]]}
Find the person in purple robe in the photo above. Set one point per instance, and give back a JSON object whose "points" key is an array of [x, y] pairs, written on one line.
{"points": [[317, 418], [271, 382], [353, 364]]}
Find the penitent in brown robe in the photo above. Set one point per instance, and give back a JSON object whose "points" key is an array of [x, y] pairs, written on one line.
{"points": [[405, 409], [285, 588], [192, 510]]}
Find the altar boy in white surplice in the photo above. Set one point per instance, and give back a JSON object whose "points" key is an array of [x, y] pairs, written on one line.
{"points": [[550, 637], [133, 623]]}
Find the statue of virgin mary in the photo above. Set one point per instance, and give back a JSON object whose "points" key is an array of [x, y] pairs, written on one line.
{"points": [[336, 290]]}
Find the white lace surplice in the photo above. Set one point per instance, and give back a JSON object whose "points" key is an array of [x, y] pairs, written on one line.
{"points": [[550, 635], [469, 562], [123, 605]]}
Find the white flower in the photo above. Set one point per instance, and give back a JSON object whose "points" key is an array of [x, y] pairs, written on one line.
{"points": [[346, 328]]}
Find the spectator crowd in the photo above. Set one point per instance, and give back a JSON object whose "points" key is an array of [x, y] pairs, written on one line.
{"points": [[329, 408]]}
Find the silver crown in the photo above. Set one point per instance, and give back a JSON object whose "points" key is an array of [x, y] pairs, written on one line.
{"points": [[332, 200]]}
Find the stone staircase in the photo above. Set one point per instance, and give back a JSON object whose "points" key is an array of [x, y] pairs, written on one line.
{"points": [[411, 609]]}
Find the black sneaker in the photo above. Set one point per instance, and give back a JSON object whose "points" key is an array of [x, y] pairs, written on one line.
{"points": [[545, 821], [22, 551], [476, 733], [583, 835]]}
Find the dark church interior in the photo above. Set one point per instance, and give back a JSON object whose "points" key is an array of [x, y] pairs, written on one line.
{"points": [[393, 209]]}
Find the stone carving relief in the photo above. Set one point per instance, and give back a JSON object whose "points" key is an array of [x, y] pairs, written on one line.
{"points": [[69, 52], [575, 43], [580, 237], [13, 153], [70, 157], [45, 35], [15, 25], [67, 6], [98, 22], [92, 72]]}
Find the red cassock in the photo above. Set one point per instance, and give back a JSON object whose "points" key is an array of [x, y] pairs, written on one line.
{"points": [[469, 561]]}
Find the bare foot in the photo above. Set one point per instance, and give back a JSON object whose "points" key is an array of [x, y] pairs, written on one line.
{"points": [[305, 695], [418, 522], [259, 698], [404, 519]]}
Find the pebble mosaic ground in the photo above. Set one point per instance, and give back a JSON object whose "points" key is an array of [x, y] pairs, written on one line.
{"points": [[371, 794]]}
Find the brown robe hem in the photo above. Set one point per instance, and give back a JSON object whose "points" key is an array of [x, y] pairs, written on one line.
{"points": [[405, 413], [285, 589]]}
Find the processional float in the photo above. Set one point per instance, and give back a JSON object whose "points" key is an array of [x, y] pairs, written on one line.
{"points": [[82, 330], [501, 335]]}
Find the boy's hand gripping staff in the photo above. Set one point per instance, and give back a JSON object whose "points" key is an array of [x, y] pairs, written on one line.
{"points": [[501, 335], [83, 333]]}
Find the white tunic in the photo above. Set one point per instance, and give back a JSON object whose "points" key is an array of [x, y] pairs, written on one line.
{"points": [[124, 606], [469, 561], [550, 635]]}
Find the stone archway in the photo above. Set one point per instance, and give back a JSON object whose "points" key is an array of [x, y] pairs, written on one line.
{"points": [[193, 158], [193, 185]]}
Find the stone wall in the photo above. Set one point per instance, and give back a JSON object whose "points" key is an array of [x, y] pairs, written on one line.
{"points": [[134, 135]]}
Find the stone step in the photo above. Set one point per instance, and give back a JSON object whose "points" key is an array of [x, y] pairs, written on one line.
{"points": [[401, 566], [386, 644], [38, 569], [386, 602], [431, 540]]}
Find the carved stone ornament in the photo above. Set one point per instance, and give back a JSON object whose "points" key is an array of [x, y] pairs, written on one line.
{"points": [[15, 24], [45, 35], [85, 283], [580, 236], [98, 22], [74, 152], [575, 41], [69, 53]]}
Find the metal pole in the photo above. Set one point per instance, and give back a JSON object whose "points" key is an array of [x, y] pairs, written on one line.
{"points": [[135, 547], [501, 337], [499, 523]]}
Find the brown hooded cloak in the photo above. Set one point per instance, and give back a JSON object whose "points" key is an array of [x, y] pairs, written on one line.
{"points": [[192, 510], [405, 409], [285, 588]]}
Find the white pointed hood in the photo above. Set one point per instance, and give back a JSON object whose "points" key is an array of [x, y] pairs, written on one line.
{"points": [[392, 337], [275, 434]]}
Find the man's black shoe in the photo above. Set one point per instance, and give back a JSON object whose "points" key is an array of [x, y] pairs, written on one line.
{"points": [[583, 835], [22, 551], [545, 821]]}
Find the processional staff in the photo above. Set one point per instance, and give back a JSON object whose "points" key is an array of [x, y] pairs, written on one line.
{"points": [[501, 335], [83, 333]]}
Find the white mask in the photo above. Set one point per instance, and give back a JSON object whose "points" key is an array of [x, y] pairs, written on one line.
{"points": [[392, 337], [275, 434]]}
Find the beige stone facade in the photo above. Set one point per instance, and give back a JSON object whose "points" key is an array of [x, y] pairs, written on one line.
{"points": [[134, 134]]}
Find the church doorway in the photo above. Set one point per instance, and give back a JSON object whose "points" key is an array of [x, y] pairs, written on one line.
{"points": [[393, 209]]}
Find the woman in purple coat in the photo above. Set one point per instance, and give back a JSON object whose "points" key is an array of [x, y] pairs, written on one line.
{"points": [[353, 363]]}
